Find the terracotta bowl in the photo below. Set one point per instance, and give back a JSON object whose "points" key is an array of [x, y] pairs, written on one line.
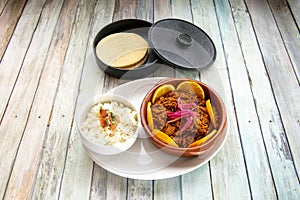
{"points": [[206, 147]]}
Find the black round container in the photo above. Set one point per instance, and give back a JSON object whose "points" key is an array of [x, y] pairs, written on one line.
{"points": [[139, 27], [182, 44]]}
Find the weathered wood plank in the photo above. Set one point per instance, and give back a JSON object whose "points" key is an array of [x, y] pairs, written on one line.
{"points": [[289, 32], [98, 189], [15, 119], [261, 182], [167, 189], [116, 186], [50, 173], [282, 167], [162, 188], [228, 165], [16, 50], [78, 168], [144, 10], [2, 5], [197, 183], [295, 7], [91, 82], [125, 9], [141, 189], [285, 86], [162, 10], [25, 167], [8, 20], [182, 10]]}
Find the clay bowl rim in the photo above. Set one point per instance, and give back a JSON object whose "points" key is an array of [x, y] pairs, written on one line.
{"points": [[187, 151]]}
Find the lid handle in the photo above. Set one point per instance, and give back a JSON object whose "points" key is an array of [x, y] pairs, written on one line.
{"points": [[184, 40]]}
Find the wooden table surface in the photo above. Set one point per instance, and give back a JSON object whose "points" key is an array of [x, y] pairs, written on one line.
{"points": [[45, 45]]}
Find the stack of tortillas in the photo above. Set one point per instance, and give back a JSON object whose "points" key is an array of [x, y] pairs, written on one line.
{"points": [[122, 50]]}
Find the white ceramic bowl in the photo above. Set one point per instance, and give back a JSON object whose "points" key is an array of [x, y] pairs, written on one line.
{"points": [[99, 146]]}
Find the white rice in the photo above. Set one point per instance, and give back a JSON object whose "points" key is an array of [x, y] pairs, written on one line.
{"points": [[125, 129]]}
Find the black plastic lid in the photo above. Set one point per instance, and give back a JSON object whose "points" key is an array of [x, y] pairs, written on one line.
{"points": [[182, 44]]}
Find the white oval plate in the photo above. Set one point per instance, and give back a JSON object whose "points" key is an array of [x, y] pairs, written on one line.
{"points": [[143, 160]]}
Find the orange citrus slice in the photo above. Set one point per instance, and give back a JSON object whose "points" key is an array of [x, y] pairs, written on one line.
{"points": [[191, 87], [161, 91], [204, 139], [211, 113], [149, 116], [164, 138]]}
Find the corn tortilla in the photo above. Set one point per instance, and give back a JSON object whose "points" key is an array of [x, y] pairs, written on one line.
{"points": [[122, 50]]}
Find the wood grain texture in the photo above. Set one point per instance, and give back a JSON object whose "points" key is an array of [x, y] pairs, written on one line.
{"points": [[16, 51], [282, 167], [260, 177], [197, 183], [91, 83], [141, 189], [227, 168], [98, 187], [289, 32], [2, 5], [284, 82], [295, 7], [51, 169], [182, 10], [78, 169], [115, 186], [167, 189], [125, 9], [14, 122], [8, 20], [48, 70], [144, 10], [162, 10], [24, 170]]}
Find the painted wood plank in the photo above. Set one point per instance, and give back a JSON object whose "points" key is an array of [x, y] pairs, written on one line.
{"points": [[144, 10], [283, 171], [260, 177], [125, 9], [167, 189], [16, 50], [2, 5], [25, 167], [98, 189], [227, 168], [286, 89], [163, 10], [116, 186], [78, 168], [197, 184], [8, 20], [171, 188], [13, 123], [295, 7], [48, 181], [181, 9], [289, 32], [139, 189], [90, 80]]}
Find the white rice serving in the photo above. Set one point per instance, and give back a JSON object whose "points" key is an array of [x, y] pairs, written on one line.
{"points": [[125, 128]]}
